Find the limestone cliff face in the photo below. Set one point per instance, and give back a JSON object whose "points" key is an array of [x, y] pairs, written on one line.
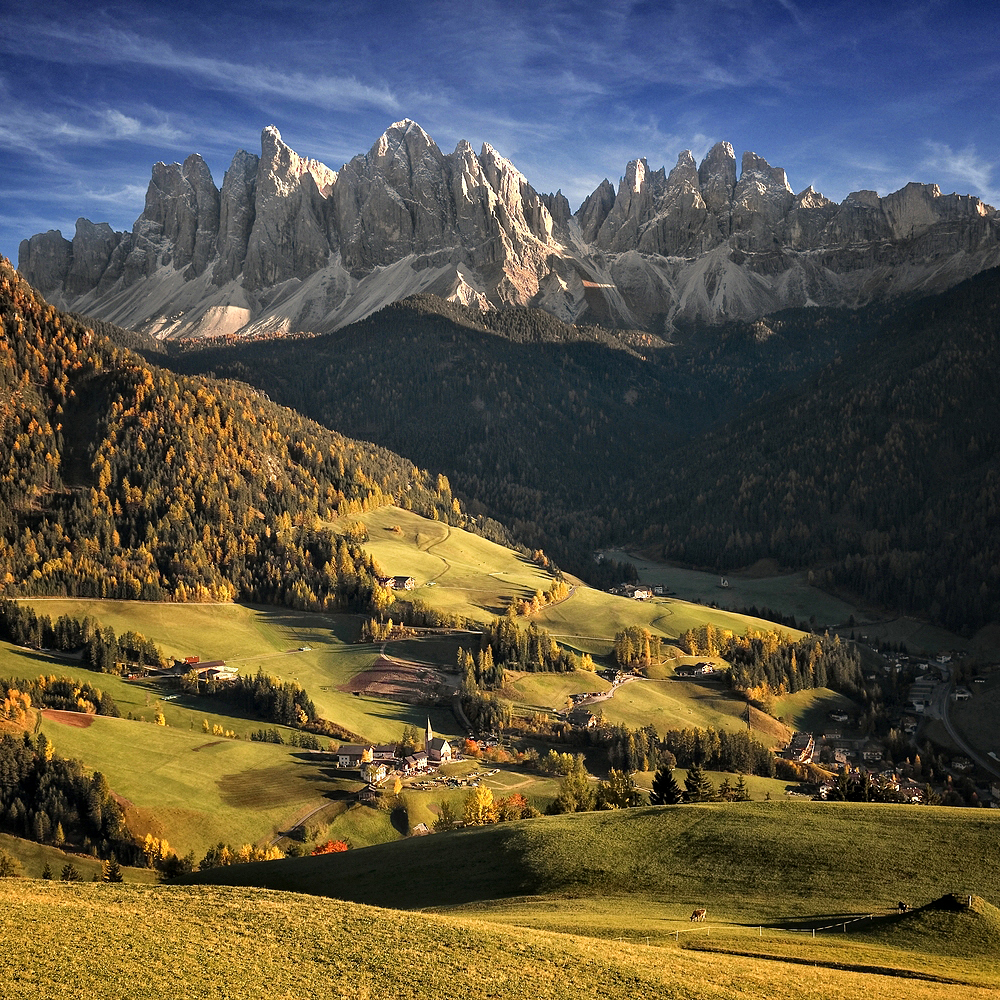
{"points": [[289, 244]]}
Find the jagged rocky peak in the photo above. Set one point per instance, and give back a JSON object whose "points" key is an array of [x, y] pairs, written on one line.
{"points": [[290, 244], [523, 205], [281, 170], [717, 178], [45, 260], [236, 216], [93, 246], [810, 198], [180, 221], [632, 207], [594, 210], [761, 201], [289, 235], [684, 173]]}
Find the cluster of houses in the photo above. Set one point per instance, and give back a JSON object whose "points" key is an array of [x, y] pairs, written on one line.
{"points": [[377, 761]]}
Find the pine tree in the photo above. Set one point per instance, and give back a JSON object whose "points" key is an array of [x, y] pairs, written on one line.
{"points": [[666, 791], [740, 792], [698, 786], [111, 872], [47, 871], [69, 873]]}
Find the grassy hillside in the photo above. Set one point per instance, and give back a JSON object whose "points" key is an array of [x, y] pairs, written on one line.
{"points": [[254, 944], [34, 857], [455, 571], [739, 859], [251, 638], [196, 789]]}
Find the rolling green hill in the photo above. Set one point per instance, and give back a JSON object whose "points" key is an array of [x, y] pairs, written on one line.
{"points": [[758, 861]]}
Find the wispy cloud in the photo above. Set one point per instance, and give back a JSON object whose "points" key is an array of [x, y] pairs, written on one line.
{"points": [[113, 46], [46, 133], [964, 166]]}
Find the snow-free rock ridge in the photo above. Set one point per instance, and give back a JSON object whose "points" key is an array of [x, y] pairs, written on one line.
{"points": [[289, 244]]}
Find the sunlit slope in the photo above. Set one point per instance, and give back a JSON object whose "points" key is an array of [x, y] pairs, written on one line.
{"points": [[193, 788], [455, 571], [464, 574], [254, 944], [754, 861], [317, 651]]}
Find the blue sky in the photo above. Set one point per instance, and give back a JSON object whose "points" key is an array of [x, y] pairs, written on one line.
{"points": [[843, 95]]}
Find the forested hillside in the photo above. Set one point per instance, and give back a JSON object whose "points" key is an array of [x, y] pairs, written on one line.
{"points": [[553, 429], [120, 479], [882, 471], [859, 444]]}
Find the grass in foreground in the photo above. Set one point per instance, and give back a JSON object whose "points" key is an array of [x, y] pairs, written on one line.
{"points": [[250, 943]]}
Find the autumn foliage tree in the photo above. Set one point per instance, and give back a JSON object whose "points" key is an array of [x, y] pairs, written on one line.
{"points": [[330, 847]]}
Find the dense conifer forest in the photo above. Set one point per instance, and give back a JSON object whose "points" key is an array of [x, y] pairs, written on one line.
{"points": [[858, 444]]}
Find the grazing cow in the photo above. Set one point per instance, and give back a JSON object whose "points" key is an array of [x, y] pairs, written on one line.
{"points": [[699, 914], [902, 907]]}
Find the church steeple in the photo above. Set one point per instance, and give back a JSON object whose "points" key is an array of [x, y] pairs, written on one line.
{"points": [[428, 736]]}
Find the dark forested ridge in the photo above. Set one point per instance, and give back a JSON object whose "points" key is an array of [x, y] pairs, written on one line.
{"points": [[551, 428], [881, 471], [860, 444], [120, 479]]}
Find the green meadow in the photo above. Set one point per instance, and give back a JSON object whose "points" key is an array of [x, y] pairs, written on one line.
{"points": [[249, 637], [455, 571], [246, 942], [196, 789], [738, 859], [824, 897]]}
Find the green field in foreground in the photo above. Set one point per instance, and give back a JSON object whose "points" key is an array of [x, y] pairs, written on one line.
{"points": [[634, 876], [253, 944]]}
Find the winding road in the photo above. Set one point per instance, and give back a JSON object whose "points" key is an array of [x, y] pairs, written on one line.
{"points": [[942, 702]]}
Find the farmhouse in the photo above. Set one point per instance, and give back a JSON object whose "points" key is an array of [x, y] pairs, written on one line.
{"points": [[374, 772], [698, 670], [415, 762], [385, 752], [582, 719], [638, 593], [352, 754]]}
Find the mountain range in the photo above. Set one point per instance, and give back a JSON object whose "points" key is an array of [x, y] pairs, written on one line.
{"points": [[288, 244]]}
